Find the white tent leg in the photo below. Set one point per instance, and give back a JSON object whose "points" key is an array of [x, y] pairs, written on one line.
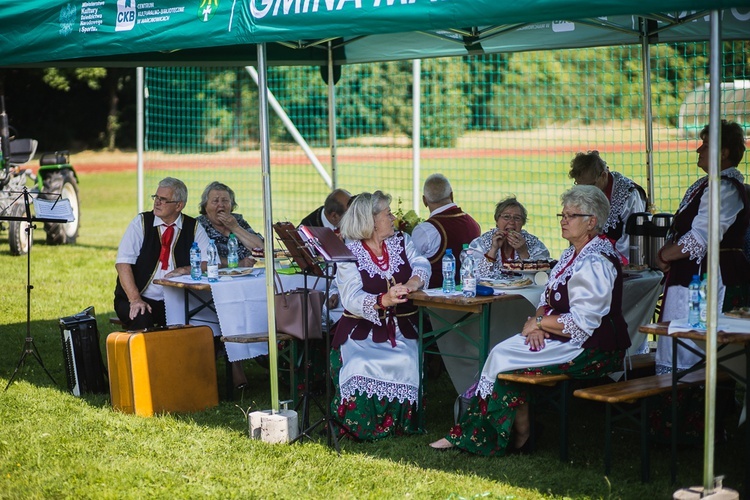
{"points": [[714, 153], [265, 161], [332, 120], [648, 112], [416, 131]]}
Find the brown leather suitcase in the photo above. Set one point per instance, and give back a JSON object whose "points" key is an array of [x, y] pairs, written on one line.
{"points": [[170, 370]]}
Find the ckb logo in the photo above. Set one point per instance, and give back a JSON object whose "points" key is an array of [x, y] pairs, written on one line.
{"points": [[125, 15]]}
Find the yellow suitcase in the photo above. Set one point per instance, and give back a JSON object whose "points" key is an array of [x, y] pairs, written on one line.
{"points": [[171, 370]]}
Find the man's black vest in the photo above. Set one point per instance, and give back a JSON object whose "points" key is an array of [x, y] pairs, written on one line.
{"points": [[148, 259]]}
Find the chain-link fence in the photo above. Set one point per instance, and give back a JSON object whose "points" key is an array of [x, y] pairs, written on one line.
{"points": [[495, 125]]}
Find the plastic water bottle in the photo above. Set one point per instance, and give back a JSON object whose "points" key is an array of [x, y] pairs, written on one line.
{"points": [[195, 262], [449, 272], [468, 272], [702, 308], [212, 256], [232, 258], [694, 301]]}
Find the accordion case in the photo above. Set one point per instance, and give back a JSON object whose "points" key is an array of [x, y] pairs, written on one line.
{"points": [[82, 355], [169, 370]]}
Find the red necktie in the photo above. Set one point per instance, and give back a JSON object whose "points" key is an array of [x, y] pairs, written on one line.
{"points": [[166, 243]]}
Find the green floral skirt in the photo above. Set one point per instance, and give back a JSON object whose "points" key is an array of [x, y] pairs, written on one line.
{"points": [[485, 427], [368, 418]]}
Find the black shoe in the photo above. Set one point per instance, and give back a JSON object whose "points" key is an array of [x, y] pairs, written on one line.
{"points": [[526, 449]]}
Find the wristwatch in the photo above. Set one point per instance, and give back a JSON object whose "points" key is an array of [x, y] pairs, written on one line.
{"points": [[539, 322]]}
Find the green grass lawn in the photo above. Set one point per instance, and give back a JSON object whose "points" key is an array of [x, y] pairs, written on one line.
{"points": [[55, 445]]}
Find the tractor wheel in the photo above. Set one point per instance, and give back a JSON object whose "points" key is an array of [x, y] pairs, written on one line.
{"points": [[18, 237], [62, 182]]}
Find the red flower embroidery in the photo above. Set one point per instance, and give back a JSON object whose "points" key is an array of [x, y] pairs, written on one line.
{"points": [[456, 432], [387, 421], [483, 406]]}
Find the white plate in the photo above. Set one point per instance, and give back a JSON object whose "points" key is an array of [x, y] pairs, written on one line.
{"points": [[530, 272], [504, 284], [500, 287], [237, 272]]}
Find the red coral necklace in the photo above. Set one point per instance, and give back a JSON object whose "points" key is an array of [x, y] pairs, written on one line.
{"points": [[383, 261]]}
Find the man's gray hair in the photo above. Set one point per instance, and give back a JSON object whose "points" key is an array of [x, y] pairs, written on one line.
{"points": [[588, 200], [437, 188], [333, 203], [358, 222], [179, 189]]}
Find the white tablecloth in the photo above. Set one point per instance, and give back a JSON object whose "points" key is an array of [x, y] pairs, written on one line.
{"points": [[240, 305], [507, 318]]}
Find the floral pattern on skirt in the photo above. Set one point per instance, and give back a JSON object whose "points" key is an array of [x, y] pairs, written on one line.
{"points": [[370, 419], [485, 427]]}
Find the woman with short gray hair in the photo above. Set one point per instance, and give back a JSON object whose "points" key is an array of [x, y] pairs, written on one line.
{"points": [[375, 355], [578, 330], [507, 241]]}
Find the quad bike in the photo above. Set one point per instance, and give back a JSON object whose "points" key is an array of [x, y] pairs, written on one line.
{"points": [[56, 176]]}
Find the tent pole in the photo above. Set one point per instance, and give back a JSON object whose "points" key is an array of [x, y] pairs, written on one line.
{"points": [[648, 112], [265, 160], [140, 134], [332, 118], [416, 141], [714, 153]]}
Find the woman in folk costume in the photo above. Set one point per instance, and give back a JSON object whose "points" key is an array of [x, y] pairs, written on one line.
{"points": [[374, 360], [578, 330]]}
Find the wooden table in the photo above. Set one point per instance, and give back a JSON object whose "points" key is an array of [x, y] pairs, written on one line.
{"points": [[191, 289], [471, 309], [724, 340]]}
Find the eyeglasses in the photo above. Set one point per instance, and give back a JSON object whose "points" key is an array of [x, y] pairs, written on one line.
{"points": [[509, 217], [160, 199], [567, 217]]}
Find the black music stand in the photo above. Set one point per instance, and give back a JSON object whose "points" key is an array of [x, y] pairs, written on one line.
{"points": [[302, 256], [29, 347], [312, 250]]}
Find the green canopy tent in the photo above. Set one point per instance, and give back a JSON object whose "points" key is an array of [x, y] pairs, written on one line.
{"points": [[331, 32]]}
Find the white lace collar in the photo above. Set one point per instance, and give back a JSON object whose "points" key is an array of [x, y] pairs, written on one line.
{"points": [[364, 262], [564, 268]]}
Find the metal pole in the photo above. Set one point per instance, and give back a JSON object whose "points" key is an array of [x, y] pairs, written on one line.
{"points": [[416, 70], [648, 112], [140, 134], [265, 161], [714, 157], [289, 125], [332, 118]]}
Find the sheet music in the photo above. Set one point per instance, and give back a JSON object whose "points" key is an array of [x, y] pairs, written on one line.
{"points": [[54, 209]]}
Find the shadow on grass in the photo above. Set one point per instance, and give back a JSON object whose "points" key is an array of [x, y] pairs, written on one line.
{"points": [[582, 476]]}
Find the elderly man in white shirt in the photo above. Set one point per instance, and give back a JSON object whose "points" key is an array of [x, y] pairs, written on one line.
{"points": [[156, 244]]}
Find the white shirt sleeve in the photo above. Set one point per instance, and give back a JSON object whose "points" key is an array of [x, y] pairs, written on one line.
{"points": [[426, 239], [420, 266], [131, 242], [590, 295], [201, 237], [353, 297], [695, 241]]}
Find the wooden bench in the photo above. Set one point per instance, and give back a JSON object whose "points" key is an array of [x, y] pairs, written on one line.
{"points": [[289, 355], [560, 399], [617, 395], [640, 363]]}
